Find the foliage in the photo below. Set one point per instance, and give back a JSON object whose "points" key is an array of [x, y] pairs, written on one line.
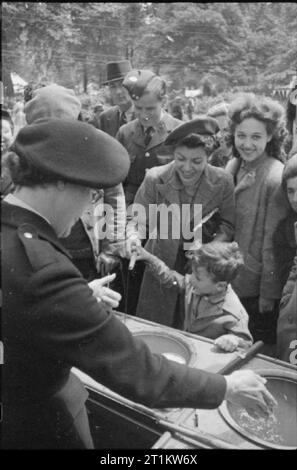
{"points": [[224, 45]]}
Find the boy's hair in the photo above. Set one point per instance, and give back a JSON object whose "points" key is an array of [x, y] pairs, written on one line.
{"points": [[221, 260]]}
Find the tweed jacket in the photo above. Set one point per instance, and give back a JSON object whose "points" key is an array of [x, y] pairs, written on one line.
{"points": [[51, 323], [260, 206], [161, 186]]}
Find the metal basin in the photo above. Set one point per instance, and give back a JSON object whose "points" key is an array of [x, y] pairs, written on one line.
{"points": [[278, 431], [170, 345]]}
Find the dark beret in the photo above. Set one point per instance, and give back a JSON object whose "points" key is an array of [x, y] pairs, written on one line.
{"points": [[73, 151], [202, 125], [136, 82]]}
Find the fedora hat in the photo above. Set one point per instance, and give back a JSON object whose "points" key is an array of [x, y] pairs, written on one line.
{"points": [[117, 71]]}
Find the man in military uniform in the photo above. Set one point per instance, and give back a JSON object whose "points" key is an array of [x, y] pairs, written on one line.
{"points": [[53, 320], [144, 137], [122, 112]]}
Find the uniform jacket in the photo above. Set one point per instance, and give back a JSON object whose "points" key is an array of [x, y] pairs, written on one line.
{"points": [[160, 185], [203, 315], [143, 157], [287, 321], [260, 205], [52, 322]]}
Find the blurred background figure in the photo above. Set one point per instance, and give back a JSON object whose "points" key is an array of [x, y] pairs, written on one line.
{"points": [[223, 154], [190, 107], [176, 108], [18, 116], [97, 110], [7, 131], [291, 115]]}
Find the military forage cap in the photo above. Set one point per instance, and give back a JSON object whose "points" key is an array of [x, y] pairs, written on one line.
{"points": [[136, 82], [73, 151], [204, 126]]}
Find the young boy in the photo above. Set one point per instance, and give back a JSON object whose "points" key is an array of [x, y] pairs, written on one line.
{"points": [[211, 307]]}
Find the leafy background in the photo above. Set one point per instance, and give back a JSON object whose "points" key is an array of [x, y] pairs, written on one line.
{"points": [[216, 46]]}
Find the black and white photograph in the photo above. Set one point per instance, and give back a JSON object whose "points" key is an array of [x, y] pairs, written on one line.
{"points": [[148, 230]]}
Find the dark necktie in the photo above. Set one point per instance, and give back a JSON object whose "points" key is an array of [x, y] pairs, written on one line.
{"points": [[148, 133], [123, 119]]}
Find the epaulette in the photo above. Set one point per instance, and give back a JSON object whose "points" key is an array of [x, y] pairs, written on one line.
{"points": [[39, 252]]}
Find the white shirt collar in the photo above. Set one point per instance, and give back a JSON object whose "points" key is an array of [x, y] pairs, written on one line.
{"points": [[14, 200]]}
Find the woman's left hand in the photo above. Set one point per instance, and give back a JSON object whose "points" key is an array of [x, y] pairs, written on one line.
{"points": [[266, 305], [103, 293]]}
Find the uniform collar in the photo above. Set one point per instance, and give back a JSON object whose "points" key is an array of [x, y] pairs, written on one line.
{"points": [[15, 201], [17, 216]]}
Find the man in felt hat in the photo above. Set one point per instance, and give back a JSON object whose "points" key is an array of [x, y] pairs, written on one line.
{"points": [[122, 112], [90, 255], [53, 320], [186, 181]]}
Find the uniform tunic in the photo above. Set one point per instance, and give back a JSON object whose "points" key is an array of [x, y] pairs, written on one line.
{"points": [[51, 323]]}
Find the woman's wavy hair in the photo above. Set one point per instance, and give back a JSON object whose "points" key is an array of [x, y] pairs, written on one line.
{"points": [[266, 110]]}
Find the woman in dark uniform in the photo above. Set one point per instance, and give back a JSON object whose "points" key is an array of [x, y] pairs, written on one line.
{"points": [[52, 319]]}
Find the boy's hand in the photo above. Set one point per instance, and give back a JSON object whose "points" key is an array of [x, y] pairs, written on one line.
{"points": [[141, 253], [227, 342]]}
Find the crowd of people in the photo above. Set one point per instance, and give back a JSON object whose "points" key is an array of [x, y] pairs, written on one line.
{"points": [[236, 284]]}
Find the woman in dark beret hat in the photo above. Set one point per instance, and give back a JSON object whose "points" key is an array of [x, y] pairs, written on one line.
{"points": [[187, 181]]}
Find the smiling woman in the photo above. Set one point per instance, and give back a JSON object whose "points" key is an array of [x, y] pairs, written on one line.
{"points": [[257, 130]]}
